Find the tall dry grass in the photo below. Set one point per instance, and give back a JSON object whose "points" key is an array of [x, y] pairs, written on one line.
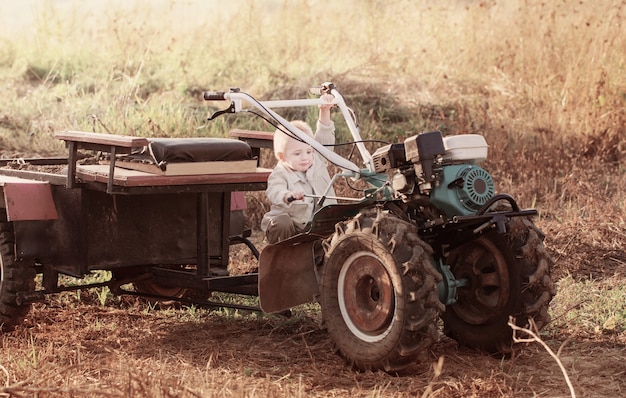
{"points": [[523, 70], [543, 81]]}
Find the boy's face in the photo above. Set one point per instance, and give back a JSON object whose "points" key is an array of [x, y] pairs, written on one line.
{"points": [[298, 155]]}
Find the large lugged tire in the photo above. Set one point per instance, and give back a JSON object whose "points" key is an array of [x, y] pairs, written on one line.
{"points": [[508, 275], [15, 276], [378, 292], [538, 288]]}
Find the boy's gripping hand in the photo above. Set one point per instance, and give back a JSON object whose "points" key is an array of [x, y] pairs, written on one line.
{"points": [[294, 195], [324, 116], [328, 98]]}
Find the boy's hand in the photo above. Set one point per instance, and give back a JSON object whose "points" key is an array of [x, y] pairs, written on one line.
{"points": [[328, 98], [294, 195], [324, 116]]}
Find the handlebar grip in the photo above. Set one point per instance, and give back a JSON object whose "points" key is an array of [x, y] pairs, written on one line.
{"points": [[290, 199], [315, 91], [214, 96], [325, 88]]}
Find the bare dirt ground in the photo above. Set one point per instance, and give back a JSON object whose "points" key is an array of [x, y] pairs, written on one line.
{"points": [[73, 346], [90, 350]]}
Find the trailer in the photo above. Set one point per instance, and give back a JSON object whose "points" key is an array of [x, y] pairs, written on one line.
{"points": [[161, 234]]}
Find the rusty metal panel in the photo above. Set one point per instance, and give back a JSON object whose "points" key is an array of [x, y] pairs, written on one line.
{"points": [[95, 230], [287, 274], [139, 230], [61, 242], [29, 201]]}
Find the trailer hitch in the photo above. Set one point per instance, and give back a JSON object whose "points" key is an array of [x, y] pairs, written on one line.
{"points": [[200, 303]]}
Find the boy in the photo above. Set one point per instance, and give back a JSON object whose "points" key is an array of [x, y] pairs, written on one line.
{"points": [[300, 171]]}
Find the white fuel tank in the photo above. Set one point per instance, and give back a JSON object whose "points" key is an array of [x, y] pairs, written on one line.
{"points": [[466, 148]]}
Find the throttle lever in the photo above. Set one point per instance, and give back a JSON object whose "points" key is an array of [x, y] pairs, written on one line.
{"points": [[230, 109]]}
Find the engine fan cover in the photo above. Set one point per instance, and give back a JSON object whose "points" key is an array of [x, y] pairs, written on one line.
{"points": [[463, 189], [477, 188]]}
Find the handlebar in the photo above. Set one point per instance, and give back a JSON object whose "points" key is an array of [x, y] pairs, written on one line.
{"points": [[237, 98], [214, 96]]}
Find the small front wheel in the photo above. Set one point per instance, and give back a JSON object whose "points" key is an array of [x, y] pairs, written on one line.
{"points": [[379, 292]]}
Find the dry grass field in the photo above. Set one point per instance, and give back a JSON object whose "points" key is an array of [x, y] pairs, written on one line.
{"points": [[544, 82]]}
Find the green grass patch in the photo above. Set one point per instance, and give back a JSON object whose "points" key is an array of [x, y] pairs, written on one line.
{"points": [[589, 306]]}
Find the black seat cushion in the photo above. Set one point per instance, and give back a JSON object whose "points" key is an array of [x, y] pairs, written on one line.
{"points": [[183, 150]]}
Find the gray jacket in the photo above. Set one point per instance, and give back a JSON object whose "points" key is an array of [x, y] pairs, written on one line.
{"points": [[314, 182]]}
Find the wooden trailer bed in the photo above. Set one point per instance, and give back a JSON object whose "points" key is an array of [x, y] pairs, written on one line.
{"points": [[135, 178], [122, 180]]}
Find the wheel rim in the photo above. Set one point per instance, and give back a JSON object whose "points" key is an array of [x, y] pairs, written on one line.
{"points": [[488, 290], [152, 288], [366, 296]]}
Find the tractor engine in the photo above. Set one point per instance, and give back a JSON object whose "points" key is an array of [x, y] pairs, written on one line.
{"points": [[445, 169]]}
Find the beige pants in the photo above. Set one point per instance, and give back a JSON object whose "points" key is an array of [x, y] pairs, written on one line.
{"points": [[281, 228]]}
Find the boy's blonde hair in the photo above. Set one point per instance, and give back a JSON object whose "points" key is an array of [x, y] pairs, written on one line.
{"points": [[281, 138]]}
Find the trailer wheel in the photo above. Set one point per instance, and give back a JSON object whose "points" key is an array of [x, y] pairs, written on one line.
{"points": [[149, 287], [379, 292], [15, 276], [508, 276]]}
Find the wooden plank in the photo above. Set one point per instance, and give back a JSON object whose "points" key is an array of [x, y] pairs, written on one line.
{"points": [[253, 134], [28, 175], [136, 178], [102, 139], [35, 161], [192, 168], [5, 179]]}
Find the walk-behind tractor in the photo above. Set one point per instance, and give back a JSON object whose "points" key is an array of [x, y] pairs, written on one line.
{"points": [[422, 237]]}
